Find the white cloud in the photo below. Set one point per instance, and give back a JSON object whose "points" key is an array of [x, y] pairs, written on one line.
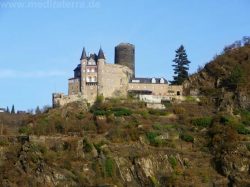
{"points": [[8, 73]]}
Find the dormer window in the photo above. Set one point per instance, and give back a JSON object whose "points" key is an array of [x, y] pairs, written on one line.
{"points": [[162, 81], [153, 80]]}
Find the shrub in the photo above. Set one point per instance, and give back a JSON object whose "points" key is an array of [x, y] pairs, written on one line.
{"points": [[3, 143], [38, 148], [24, 130], [191, 99], [87, 147], [241, 129], [202, 122], [155, 182], [172, 160], [224, 119], [245, 114], [99, 112], [99, 145], [151, 136], [59, 128], [179, 110], [157, 112], [121, 112], [116, 111], [80, 116], [109, 167], [187, 137], [164, 127], [99, 99], [248, 146]]}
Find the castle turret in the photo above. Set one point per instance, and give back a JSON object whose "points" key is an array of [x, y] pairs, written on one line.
{"points": [[100, 67], [84, 56], [125, 55], [83, 61]]}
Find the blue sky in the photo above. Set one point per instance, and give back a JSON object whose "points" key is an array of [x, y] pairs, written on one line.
{"points": [[41, 41]]}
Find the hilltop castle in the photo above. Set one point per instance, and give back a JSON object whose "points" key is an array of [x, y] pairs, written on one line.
{"points": [[94, 76]]}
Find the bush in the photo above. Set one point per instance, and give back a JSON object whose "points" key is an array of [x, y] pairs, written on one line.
{"points": [[202, 122], [80, 116], [172, 160], [99, 112], [151, 136], [121, 112], [248, 146], [179, 110], [109, 167], [241, 129], [157, 112], [187, 137], [38, 148], [245, 114], [87, 147], [116, 111], [3, 143], [99, 99], [24, 130], [164, 127]]}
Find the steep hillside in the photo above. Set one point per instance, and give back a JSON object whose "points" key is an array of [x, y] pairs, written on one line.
{"points": [[122, 143], [225, 80]]}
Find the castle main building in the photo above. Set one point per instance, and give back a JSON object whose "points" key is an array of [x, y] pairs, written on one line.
{"points": [[94, 76]]}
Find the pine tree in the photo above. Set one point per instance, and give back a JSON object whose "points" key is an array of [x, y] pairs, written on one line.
{"points": [[13, 109], [8, 110], [181, 66], [38, 111]]}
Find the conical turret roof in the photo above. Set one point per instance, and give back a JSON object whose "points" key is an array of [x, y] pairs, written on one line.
{"points": [[84, 56], [101, 54]]}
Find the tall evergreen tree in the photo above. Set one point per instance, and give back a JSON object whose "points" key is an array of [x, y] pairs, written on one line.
{"points": [[13, 109], [181, 66], [8, 110], [38, 111]]}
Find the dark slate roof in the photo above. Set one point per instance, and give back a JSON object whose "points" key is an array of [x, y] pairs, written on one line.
{"points": [[93, 56], [84, 56], [78, 68], [101, 54], [148, 80]]}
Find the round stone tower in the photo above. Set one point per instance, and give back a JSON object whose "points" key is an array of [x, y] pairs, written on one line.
{"points": [[125, 55]]}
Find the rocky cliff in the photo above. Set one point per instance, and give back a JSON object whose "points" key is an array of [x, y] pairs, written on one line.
{"points": [[225, 80]]}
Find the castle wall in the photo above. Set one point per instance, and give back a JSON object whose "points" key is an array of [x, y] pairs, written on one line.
{"points": [[157, 89], [90, 92], [74, 86], [59, 99], [115, 80]]}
